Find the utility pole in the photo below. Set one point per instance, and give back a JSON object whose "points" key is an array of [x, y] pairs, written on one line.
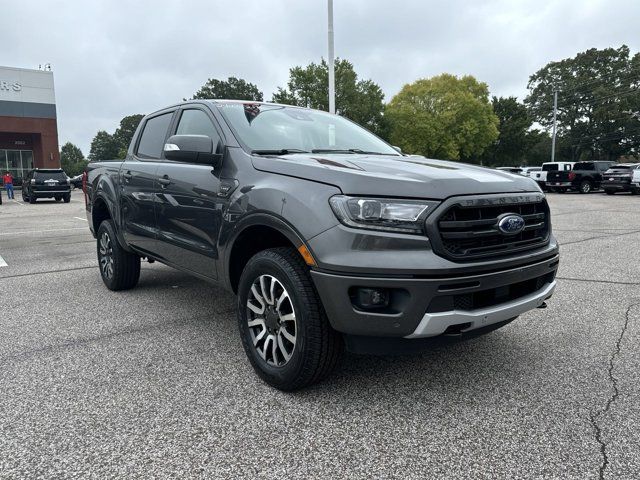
{"points": [[555, 112], [332, 73]]}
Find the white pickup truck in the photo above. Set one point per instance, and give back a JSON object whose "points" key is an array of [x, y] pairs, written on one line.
{"points": [[541, 176]]}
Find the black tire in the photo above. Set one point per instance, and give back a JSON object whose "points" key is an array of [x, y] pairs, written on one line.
{"points": [[634, 191], [317, 346], [585, 187], [66, 197], [58, 198], [32, 199], [609, 192], [119, 269]]}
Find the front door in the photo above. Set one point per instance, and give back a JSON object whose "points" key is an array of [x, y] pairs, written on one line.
{"points": [[138, 174], [188, 208]]}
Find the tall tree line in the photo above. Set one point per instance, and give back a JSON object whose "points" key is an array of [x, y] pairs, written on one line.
{"points": [[454, 118]]}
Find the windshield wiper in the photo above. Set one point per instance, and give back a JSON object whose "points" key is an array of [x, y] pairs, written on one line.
{"points": [[282, 151], [347, 150]]}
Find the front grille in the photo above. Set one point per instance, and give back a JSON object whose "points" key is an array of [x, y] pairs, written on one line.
{"points": [[468, 230], [489, 297]]}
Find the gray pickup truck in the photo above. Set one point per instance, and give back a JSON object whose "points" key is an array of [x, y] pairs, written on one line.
{"points": [[329, 236]]}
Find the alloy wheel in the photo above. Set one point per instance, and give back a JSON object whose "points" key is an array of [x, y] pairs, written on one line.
{"points": [[106, 255], [271, 319]]}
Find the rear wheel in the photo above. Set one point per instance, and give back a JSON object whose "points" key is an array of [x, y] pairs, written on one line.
{"points": [[66, 197], [635, 191], [609, 192], [58, 198], [585, 187], [119, 269], [283, 326]]}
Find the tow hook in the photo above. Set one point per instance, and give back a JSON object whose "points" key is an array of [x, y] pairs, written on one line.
{"points": [[543, 305]]}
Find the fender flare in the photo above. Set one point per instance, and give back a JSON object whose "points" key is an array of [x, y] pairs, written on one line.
{"points": [[265, 219]]}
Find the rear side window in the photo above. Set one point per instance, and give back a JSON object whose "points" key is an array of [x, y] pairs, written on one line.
{"points": [[196, 122], [584, 166], [152, 138], [549, 167]]}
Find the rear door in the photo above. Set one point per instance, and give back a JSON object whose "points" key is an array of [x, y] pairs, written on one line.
{"points": [[138, 184], [188, 208]]}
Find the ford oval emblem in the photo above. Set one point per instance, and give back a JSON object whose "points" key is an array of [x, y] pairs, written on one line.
{"points": [[511, 224]]}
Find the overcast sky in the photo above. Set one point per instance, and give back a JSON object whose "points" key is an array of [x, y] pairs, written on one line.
{"points": [[112, 58]]}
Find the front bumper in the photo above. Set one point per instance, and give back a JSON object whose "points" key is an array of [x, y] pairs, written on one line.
{"points": [[428, 307]]}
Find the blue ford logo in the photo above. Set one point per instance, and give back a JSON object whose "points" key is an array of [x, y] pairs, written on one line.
{"points": [[511, 224]]}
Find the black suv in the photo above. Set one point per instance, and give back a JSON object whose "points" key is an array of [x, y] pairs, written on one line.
{"points": [[620, 178], [46, 183], [328, 235]]}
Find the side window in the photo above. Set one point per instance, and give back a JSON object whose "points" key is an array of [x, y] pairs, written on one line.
{"points": [[196, 122], [152, 137]]}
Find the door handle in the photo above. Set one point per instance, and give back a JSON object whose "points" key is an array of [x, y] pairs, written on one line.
{"points": [[127, 175], [164, 181]]}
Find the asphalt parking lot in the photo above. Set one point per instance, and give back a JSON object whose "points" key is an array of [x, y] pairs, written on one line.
{"points": [[153, 382]]}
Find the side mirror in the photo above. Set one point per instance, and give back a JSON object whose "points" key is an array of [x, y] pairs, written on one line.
{"points": [[192, 149], [395, 147]]}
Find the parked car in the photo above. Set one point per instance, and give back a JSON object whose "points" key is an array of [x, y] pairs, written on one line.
{"points": [[329, 236], [541, 176], [46, 183], [583, 177], [528, 171], [76, 181], [514, 170], [619, 178]]}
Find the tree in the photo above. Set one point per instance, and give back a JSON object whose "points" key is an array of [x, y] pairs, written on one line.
{"points": [[72, 160], [443, 117], [104, 147], [124, 133], [509, 148], [598, 102], [232, 89], [359, 100], [537, 148]]}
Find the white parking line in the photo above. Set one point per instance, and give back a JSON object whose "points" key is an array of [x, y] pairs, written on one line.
{"points": [[3, 263], [43, 231], [83, 219], [19, 203]]}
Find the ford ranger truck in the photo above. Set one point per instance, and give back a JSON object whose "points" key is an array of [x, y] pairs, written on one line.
{"points": [[330, 237]]}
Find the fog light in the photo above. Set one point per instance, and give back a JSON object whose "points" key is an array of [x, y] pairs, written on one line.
{"points": [[372, 298]]}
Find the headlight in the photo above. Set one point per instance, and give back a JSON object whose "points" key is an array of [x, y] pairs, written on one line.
{"points": [[385, 214]]}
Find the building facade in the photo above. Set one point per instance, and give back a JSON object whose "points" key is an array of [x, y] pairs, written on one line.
{"points": [[28, 125]]}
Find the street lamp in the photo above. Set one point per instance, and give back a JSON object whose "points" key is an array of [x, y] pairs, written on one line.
{"points": [[332, 73]]}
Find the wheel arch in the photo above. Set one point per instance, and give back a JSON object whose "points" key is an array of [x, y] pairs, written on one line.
{"points": [[256, 233]]}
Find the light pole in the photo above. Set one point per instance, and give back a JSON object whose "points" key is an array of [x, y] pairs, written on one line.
{"points": [[332, 73], [553, 139]]}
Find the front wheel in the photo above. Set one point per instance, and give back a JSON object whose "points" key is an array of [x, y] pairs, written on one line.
{"points": [[283, 326], [66, 197], [119, 269]]}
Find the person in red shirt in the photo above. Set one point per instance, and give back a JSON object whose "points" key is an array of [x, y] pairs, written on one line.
{"points": [[7, 180]]}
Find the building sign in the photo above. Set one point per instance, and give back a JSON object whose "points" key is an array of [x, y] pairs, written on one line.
{"points": [[10, 86]]}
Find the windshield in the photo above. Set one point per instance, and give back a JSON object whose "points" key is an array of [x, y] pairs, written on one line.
{"points": [[279, 129]]}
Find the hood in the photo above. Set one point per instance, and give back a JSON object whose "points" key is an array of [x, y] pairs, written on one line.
{"points": [[396, 176]]}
